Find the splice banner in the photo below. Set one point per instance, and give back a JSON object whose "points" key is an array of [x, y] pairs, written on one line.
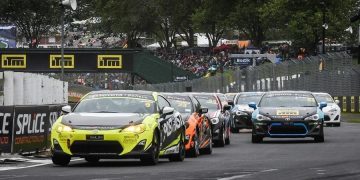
{"points": [[6, 125], [31, 128]]}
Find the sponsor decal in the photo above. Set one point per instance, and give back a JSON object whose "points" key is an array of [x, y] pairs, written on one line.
{"points": [[287, 112], [109, 61], [55, 61], [12, 61], [171, 126]]}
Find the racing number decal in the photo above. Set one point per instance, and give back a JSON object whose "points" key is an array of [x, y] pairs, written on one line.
{"points": [[171, 126], [169, 129]]}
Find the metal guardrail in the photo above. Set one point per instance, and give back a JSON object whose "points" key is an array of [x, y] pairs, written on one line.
{"points": [[339, 77]]}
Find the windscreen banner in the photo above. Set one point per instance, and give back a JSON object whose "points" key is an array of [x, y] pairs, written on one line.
{"points": [[7, 36]]}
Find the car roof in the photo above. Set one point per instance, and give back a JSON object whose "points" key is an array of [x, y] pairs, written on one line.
{"points": [[321, 93], [289, 92], [121, 91]]}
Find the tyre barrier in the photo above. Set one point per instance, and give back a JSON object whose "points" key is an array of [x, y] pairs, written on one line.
{"points": [[26, 129]]}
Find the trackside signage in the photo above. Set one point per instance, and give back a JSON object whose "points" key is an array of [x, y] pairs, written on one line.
{"points": [[31, 127], [6, 124]]}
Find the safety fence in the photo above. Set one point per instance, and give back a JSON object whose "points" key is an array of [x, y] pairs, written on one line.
{"points": [[333, 73], [26, 129]]}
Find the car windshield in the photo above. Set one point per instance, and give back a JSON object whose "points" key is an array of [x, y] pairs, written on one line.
{"points": [[323, 98], [116, 105], [209, 102], [230, 96], [247, 98], [288, 100], [183, 105]]}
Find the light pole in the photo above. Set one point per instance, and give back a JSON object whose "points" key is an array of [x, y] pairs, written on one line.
{"points": [[73, 5], [62, 43], [324, 26]]}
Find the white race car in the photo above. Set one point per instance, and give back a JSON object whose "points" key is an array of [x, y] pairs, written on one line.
{"points": [[332, 111]]}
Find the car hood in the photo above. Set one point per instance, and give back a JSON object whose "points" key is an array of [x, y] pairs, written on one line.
{"points": [[331, 106], [101, 120], [282, 113], [243, 107]]}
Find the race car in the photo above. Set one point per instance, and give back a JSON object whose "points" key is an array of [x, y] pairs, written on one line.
{"points": [[332, 111], [241, 112], [287, 114], [219, 116], [198, 138], [119, 124]]}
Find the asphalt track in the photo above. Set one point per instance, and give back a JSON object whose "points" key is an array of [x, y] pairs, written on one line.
{"points": [[337, 158]]}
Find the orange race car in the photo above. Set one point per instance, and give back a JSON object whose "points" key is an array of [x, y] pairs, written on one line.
{"points": [[198, 137]]}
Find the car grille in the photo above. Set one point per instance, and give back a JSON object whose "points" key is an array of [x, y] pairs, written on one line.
{"points": [[295, 129], [96, 147]]}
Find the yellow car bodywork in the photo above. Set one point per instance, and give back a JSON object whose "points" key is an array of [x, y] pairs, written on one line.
{"points": [[63, 137]]}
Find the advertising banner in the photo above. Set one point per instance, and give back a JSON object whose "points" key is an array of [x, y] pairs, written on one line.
{"points": [[6, 126], [7, 36], [242, 62], [31, 127]]}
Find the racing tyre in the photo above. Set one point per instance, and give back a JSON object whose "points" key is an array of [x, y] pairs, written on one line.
{"points": [[221, 141], [208, 149], [61, 160], [153, 157], [194, 151], [180, 156], [256, 138], [320, 138], [227, 140], [338, 124], [92, 159], [234, 130]]}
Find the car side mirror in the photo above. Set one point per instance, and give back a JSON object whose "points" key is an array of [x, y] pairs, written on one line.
{"points": [[231, 102], [227, 108], [337, 101], [322, 105], [66, 109], [252, 105], [203, 110], [167, 111]]}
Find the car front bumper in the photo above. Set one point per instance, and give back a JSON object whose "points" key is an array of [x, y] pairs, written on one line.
{"points": [[287, 129]]}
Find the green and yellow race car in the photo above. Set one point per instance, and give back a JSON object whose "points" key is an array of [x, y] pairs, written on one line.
{"points": [[119, 124]]}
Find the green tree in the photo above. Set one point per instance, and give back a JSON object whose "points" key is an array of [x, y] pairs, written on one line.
{"points": [[130, 17], [33, 18], [212, 18], [303, 19], [247, 19]]}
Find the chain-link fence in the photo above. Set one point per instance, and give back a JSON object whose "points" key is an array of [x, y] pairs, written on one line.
{"points": [[336, 75]]}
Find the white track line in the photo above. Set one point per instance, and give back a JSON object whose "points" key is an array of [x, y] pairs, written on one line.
{"points": [[31, 166]]}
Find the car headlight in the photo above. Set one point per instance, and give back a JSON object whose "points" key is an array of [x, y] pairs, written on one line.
{"points": [[215, 120], [135, 128], [63, 128], [333, 110], [260, 117], [314, 117]]}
